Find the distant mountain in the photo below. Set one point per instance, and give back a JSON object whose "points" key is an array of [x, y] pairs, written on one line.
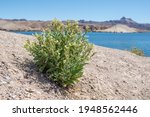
{"points": [[125, 21], [28, 25], [131, 23]]}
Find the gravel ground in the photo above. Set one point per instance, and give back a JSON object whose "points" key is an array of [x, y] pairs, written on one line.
{"points": [[110, 74]]}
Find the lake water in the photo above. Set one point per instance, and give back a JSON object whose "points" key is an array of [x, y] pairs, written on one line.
{"points": [[123, 41]]}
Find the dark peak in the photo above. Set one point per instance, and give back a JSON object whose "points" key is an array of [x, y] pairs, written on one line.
{"points": [[127, 20], [123, 18]]}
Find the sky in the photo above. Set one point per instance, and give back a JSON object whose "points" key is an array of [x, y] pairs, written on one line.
{"points": [[95, 10]]}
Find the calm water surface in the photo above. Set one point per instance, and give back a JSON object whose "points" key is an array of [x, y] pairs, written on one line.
{"points": [[123, 41]]}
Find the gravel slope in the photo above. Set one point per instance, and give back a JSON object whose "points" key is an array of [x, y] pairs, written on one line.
{"points": [[120, 28], [110, 74]]}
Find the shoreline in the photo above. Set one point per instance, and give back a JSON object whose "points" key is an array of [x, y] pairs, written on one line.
{"points": [[89, 32], [96, 43], [98, 31]]}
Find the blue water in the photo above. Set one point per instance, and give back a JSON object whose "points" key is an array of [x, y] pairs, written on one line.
{"points": [[123, 41], [27, 32]]}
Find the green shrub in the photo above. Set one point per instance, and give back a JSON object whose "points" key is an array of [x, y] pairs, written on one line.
{"points": [[137, 51], [61, 51]]}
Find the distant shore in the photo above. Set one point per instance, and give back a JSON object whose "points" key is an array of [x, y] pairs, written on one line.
{"points": [[117, 26]]}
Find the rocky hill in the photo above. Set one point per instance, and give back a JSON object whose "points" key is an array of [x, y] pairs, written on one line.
{"points": [[110, 74], [22, 25], [125, 21], [129, 22], [120, 28], [28, 25]]}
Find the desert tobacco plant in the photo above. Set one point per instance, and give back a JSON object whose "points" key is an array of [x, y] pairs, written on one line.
{"points": [[61, 52]]}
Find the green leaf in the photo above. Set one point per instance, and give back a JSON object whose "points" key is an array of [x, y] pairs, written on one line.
{"points": [[61, 51]]}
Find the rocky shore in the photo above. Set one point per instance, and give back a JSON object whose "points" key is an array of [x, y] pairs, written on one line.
{"points": [[110, 74]]}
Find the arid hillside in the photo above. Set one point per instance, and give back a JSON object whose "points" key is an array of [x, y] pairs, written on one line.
{"points": [[29, 25], [120, 28], [110, 74], [13, 25]]}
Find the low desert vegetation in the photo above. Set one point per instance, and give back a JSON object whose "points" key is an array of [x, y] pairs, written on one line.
{"points": [[137, 51], [61, 52]]}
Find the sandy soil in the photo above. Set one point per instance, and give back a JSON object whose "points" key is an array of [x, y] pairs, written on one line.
{"points": [[120, 28], [110, 74]]}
